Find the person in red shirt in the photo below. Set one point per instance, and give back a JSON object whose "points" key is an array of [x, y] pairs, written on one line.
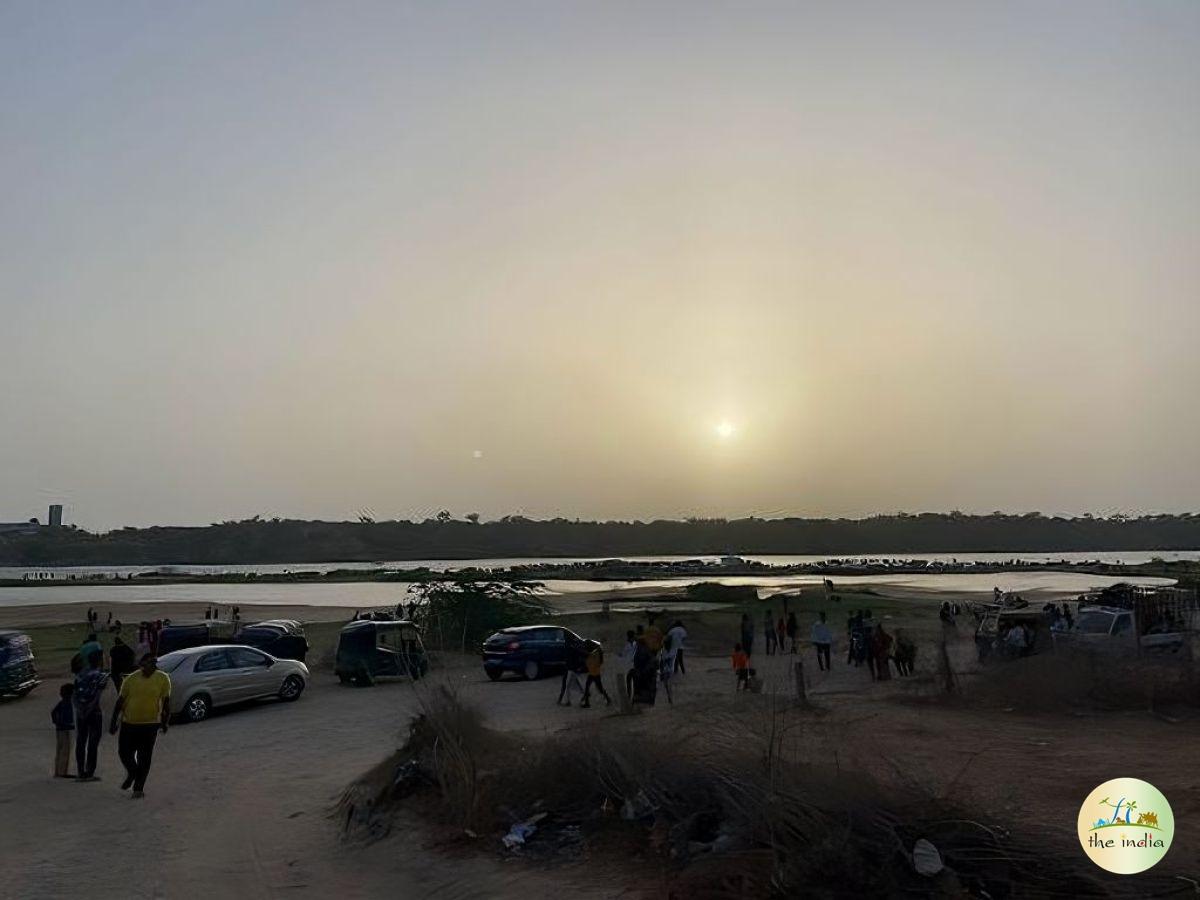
{"points": [[741, 666]]}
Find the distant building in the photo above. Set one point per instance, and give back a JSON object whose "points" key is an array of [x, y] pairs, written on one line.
{"points": [[55, 515]]}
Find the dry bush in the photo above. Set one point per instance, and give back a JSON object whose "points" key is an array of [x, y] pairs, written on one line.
{"points": [[1065, 680], [725, 809]]}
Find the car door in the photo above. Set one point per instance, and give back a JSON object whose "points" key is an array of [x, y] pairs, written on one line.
{"points": [[211, 675], [251, 673], [387, 649], [553, 645]]}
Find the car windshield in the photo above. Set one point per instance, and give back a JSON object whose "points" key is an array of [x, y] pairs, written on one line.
{"points": [[1094, 623], [170, 662]]}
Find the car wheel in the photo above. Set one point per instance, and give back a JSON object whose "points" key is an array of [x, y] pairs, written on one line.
{"points": [[197, 709], [531, 671], [494, 674], [293, 687]]}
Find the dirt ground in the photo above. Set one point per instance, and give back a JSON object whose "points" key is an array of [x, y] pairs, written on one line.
{"points": [[240, 804]]}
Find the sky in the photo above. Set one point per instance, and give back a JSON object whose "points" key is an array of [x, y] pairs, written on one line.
{"points": [[599, 260]]}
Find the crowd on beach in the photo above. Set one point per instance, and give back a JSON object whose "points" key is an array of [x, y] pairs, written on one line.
{"points": [[651, 657]]}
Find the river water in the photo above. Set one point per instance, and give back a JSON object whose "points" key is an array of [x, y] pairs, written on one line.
{"points": [[366, 595]]}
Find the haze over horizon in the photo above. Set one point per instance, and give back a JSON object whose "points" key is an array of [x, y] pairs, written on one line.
{"points": [[603, 262]]}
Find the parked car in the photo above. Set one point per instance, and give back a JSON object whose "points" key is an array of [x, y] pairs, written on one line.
{"points": [[18, 674], [281, 638], [368, 649], [181, 636], [530, 650], [203, 678], [1105, 627]]}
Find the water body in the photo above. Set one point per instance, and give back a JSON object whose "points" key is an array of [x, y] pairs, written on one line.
{"points": [[367, 595], [1110, 557]]}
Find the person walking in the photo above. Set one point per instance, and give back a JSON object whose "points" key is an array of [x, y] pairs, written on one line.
{"points": [[63, 717], [741, 668], [645, 673], [906, 653], [881, 648], [90, 645], [676, 635], [822, 639], [89, 717], [653, 636], [120, 661], [626, 656], [666, 668], [769, 633], [867, 629], [747, 645], [781, 634], [793, 629], [143, 709], [851, 626], [595, 666], [575, 663]]}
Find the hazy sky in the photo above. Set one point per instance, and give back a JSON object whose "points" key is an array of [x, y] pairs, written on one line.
{"points": [[303, 259]]}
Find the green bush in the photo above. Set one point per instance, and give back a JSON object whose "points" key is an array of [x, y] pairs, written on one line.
{"points": [[460, 615]]}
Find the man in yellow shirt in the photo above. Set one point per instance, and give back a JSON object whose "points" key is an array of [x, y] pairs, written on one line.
{"points": [[143, 708]]}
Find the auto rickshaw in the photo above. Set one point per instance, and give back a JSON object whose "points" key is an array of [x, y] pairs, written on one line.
{"points": [[995, 638], [370, 648]]}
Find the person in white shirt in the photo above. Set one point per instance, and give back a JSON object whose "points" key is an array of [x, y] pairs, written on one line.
{"points": [[626, 655], [822, 639], [677, 633]]}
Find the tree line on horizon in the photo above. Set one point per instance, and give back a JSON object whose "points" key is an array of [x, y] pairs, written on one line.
{"points": [[259, 540]]}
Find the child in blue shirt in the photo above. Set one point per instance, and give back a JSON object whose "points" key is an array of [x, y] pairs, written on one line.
{"points": [[63, 717]]}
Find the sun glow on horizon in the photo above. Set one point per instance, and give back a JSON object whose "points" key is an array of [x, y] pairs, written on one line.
{"points": [[724, 429]]}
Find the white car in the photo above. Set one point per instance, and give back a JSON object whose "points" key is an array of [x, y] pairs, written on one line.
{"points": [[203, 678]]}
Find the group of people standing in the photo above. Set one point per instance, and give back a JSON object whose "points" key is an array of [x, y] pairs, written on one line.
{"points": [[139, 713], [870, 643], [649, 657], [147, 633], [780, 632]]}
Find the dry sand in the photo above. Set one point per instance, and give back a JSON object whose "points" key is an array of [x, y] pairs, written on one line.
{"points": [[33, 616], [238, 806]]}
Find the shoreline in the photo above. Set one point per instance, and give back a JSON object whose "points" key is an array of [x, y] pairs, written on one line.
{"points": [[621, 599], [614, 570]]}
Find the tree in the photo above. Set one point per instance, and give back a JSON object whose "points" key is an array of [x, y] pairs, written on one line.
{"points": [[462, 614], [473, 518]]}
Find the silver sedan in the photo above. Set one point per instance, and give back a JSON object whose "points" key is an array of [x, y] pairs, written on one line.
{"points": [[203, 678]]}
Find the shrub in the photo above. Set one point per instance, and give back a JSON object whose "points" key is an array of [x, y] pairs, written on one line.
{"points": [[458, 615]]}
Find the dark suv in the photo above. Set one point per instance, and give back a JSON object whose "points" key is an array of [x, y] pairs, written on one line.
{"points": [[18, 675], [282, 638], [530, 650]]}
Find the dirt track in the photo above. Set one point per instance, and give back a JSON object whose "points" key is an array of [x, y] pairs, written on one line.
{"points": [[236, 806]]}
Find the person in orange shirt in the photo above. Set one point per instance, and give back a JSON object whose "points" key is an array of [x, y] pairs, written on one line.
{"points": [[741, 666]]}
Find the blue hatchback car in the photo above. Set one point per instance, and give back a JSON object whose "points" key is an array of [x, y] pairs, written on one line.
{"points": [[530, 650]]}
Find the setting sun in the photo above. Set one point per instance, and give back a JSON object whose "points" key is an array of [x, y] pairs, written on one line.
{"points": [[725, 429]]}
